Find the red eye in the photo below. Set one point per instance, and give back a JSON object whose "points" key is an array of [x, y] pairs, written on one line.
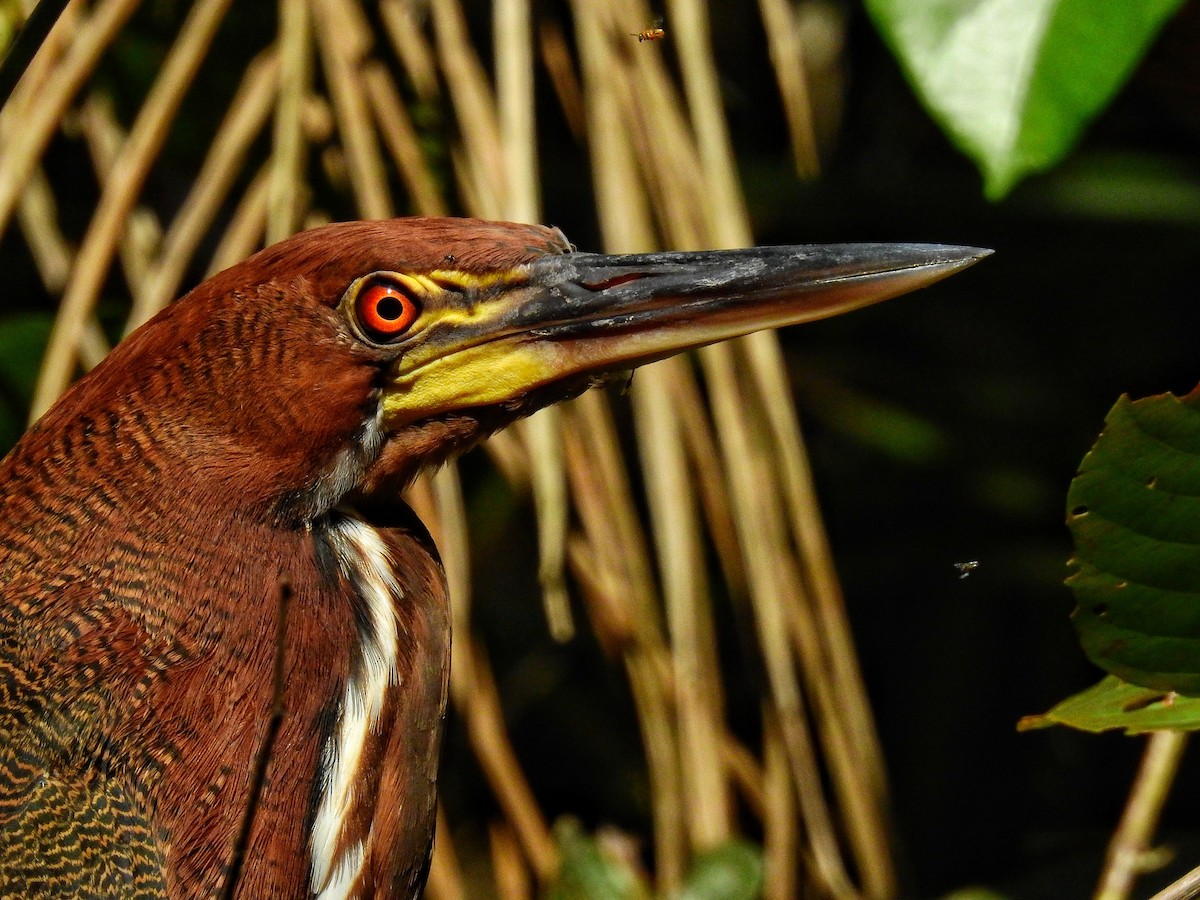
{"points": [[385, 310]]}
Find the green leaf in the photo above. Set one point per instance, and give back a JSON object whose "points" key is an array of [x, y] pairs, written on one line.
{"points": [[732, 871], [1114, 703], [1134, 515], [1014, 82], [587, 871]]}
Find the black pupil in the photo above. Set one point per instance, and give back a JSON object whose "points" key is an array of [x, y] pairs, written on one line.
{"points": [[389, 308]]}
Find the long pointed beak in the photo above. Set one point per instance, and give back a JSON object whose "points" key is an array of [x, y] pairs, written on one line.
{"points": [[584, 314]]}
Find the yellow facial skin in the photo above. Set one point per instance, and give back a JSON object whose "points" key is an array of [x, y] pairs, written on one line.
{"points": [[487, 339]]}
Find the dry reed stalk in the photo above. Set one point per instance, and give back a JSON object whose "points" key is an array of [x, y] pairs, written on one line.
{"points": [[244, 233], [344, 41], [485, 726], [643, 669], [142, 233], [650, 110], [472, 685], [474, 108], [509, 873], [286, 203], [727, 215], [449, 513], [682, 225], [671, 168], [472, 97], [445, 875], [542, 434], [46, 59], [854, 755], [848, 703], [414, 51], [610, 524], [508, 454], [1130, 850], [786, 49], [226, 159], [517, 138], [729, 222], [401, 141], [556, 57], [117, 200], [53, 256], [621, 203], [599, 589], [746, 775], [38, 217], [814, 626], [517, 128], [23, 147], [705, 460], [781, 838], [470, 193], [765, 548], [699, 704]]}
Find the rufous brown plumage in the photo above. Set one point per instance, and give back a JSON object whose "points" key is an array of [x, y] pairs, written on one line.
{"points": [[249, 443]]}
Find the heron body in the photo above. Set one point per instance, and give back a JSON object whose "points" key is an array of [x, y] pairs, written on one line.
{"points": [[252, 440]]}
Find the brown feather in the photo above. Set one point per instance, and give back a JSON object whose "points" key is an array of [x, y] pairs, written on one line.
{"points": [[146, 523]]}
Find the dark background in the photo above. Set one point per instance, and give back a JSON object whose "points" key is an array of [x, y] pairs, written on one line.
{"points": [[945, 427]]}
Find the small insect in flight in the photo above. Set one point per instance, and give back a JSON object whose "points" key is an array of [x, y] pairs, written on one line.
{"points": [[966, 568], [654, 33]]}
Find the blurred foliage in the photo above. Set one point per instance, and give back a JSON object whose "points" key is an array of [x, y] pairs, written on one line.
{"points": [[942, 428], [601, 868], [1015, 82]]}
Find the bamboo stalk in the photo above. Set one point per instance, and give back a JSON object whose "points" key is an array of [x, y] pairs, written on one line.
{"points": [[127, 177]]}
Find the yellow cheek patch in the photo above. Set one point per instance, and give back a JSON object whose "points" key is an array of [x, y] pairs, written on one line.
{"points": [[448, 279], [484, 375]]}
